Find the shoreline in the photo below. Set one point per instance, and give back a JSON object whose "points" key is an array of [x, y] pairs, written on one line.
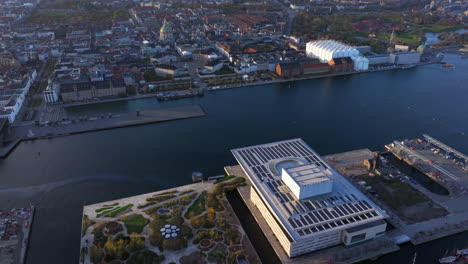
{"points": [[242, 85], [26, 238], [144, 117]]}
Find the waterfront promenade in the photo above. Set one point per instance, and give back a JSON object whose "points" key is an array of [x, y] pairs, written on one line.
{"points": [[96, 124], [92, 124], [246, 84]]}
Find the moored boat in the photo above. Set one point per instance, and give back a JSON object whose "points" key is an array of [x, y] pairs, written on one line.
{"points": [[448, 260], [463, 253]]}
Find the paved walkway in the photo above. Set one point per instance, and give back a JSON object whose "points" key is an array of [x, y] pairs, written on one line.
{"points": [[96, 124]]}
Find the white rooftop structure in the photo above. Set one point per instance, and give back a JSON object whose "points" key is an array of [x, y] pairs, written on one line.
{"points": [[326, 50], [307, 204], [307, 180]]}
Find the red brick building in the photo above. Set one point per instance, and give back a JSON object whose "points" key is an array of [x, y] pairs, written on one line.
{"points": [[288, 69], [344, 64]]}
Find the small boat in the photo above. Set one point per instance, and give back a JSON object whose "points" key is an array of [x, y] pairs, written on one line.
{"points": [[446, 65], [447, 260], [463, 254], [409, 66], [413, 261]]}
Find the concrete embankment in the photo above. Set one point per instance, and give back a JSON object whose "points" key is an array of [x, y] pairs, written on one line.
{"points": [[310, 77], [6, 149], [26, 237], [143, 117]]}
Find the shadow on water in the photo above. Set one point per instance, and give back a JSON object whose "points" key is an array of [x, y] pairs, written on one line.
{"points": [[252, 229], [416, 174]]}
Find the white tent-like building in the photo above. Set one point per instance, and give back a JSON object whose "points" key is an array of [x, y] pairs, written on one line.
{"points": [[326, 50]]}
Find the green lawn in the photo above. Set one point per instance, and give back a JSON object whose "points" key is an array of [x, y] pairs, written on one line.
{"points": [[435, 28], [103, 209], [114, 211], [228, 177], [135, 223], [118, 211], [407, 38]]}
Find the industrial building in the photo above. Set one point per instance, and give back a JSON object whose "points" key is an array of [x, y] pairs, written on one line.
{"points": [[404, 58], [4, 130], [306, 203], [378, 59], [400, 58], [288, 69], [314, 66], [344, 64], [326, 50]]}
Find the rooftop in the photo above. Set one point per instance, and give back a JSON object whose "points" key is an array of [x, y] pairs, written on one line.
{"points": [[343, 208], [308, 174]]}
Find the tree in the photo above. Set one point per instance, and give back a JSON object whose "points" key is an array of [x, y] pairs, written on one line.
{"points": [[145, 257], [173, 243], [116, 248], [135, 244], [95, 254]]}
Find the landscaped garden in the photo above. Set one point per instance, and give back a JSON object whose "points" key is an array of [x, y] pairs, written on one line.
{"points": [[198, 221]]}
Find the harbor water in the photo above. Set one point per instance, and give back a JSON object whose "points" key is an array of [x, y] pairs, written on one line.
{"points": [[332, 115]]}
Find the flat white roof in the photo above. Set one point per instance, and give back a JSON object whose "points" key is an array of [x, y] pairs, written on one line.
{"points": [[343, 208], [309, 174]]}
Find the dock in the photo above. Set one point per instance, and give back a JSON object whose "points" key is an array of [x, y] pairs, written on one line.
{"points": [[16, 233], [165, 96], [26, 237], [445, 166], [136, 118], [6, 149]]}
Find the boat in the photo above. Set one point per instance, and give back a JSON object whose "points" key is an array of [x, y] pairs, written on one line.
{"points": [[448, 260], [176, 95], [214, 88], [446, 65], [463, 254], [413, 261], [408, 66]]}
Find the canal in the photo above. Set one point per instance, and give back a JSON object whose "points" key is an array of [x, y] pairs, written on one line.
{"points": [[332, 115]]}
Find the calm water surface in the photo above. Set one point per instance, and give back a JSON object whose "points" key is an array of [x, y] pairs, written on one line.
{"points": [[332, 115]]}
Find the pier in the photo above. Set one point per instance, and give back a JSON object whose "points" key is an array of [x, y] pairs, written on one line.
{"points": [[26, 237], [16, 232], [142, 117], [71, 127]]}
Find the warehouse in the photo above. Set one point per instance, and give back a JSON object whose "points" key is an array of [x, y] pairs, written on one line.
{"points": [[378, 59], [344, 64], [403, 58], [305, 202], [326, 50], [314, 66], [288, 69]]}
